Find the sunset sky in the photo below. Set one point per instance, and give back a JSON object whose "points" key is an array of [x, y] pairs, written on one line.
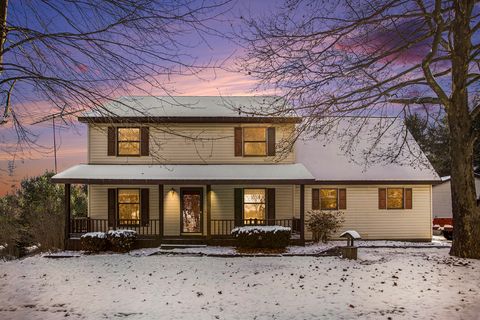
{"points": [[72, 145]]}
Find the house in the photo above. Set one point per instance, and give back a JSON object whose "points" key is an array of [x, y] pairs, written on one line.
{"points": [[190, 169], [442, 200]]}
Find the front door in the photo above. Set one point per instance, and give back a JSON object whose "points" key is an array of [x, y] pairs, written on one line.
{"points": [[191, 204]]}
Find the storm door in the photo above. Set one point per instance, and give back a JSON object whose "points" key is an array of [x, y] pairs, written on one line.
{"points": [[191, 203]]}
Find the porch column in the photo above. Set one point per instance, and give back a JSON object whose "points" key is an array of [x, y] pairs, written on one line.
{"points": [[209, 211], [302, 212], [67, 214], [160, 210]]}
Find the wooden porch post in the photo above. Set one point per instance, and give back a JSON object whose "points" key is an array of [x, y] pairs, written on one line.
{"points": [[302, 212], [160, 210], [67, 214], [209, 211]]}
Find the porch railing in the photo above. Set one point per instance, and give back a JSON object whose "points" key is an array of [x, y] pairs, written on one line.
{"points": [[218, 227], [224, 227], [84, 225]]}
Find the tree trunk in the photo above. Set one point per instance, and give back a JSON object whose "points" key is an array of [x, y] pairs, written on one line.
{"points": [[3, 29], [466, 214]]}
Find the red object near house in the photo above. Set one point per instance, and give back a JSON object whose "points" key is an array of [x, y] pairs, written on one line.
{"points": [[447, 224], [442, 221]]}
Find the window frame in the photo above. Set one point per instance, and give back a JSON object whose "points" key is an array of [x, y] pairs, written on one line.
{"points": [[139, 208], [403, 199], [264, 220], [265, 129], [336, 199], [139, 141]]}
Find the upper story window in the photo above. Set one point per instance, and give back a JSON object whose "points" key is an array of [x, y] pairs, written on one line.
{"points": [[255, 141], [128, 141]]}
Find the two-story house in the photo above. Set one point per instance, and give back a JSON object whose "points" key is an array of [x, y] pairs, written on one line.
{"points": [[192, 168]]}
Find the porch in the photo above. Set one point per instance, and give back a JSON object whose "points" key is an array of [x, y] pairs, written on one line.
{"points": [[194, 210], [151, 235]]}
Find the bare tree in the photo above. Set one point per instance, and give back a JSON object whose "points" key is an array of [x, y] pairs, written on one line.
{"points": [[78, 55], [341, 58]]}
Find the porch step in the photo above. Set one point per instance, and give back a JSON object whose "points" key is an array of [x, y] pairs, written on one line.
{"points": [[191, 241], [181, 246]]}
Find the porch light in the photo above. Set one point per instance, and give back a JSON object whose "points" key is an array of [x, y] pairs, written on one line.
{"points": [[172, 190]]}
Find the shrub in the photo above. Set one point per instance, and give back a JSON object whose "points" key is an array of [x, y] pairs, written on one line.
{"points": [[121, 240], [323, 224], [94, 241], [262, 236]]}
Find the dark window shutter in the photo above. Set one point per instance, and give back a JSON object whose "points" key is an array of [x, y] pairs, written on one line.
{"points": [[315, 199], [111, 141], [238, 141], [382, 198], [342, 199], [145, 206], [112, 207], [145, 145], [271, 141], [238, 207], [271, 206], [408, 198]]}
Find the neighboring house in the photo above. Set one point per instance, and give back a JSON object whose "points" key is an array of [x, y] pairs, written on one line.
{"points": [[442, 199], [175, 173]]}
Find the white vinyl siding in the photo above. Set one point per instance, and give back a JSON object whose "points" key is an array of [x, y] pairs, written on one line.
{"points": [[362, 213], [186, 144], [442, 199]]}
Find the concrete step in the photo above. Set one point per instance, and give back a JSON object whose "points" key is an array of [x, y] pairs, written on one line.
{"points": [[169, 246]]}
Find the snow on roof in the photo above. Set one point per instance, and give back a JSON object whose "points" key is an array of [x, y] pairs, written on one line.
{"points": [[92, 173], [354, 234], [354, 150], [447, 178], [183, 106]]}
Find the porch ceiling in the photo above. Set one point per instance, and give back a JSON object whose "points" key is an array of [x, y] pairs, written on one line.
{"points": [[181, 174]]}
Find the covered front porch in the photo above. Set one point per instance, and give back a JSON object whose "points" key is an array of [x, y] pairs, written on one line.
{"points": [[198, 209]]}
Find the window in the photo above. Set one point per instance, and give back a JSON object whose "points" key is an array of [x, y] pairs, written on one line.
{"points": [[328, 199], [254, 204], [395, 198], [128, 206], [255, 141], [128, 141]]}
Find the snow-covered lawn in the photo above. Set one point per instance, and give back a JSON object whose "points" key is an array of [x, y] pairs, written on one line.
{"points": [[423, 283]]}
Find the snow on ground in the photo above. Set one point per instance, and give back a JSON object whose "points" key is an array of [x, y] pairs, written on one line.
{"points": [[308, 249], [385, 283]]}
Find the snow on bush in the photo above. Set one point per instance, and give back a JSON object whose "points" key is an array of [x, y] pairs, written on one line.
{"points": [[262, 236], [94, 241], [121, 240], [101, 235]]}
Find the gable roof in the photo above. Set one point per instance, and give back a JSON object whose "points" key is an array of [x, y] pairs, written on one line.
{"points": [[163, 109], [354, 151]]}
